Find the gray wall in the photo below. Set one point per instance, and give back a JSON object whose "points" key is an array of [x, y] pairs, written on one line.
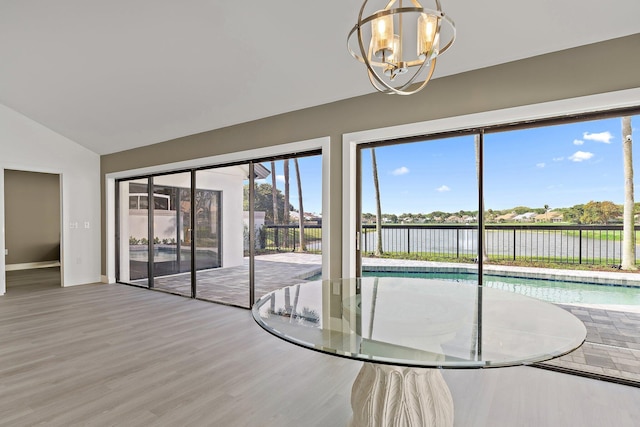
{"points": [[32, 216], [587, 70]]}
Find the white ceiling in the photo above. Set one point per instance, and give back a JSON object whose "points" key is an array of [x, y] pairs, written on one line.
{"points": [[114, 75]]}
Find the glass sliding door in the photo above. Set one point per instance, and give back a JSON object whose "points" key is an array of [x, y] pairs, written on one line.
{"points": [[133, 232], [221, 235], [420, 218], [172, 233], [288, 222], [214, 233], [557, 196]]}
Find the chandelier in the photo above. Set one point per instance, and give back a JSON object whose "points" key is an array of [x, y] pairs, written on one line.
{"points": [[385, 38]]}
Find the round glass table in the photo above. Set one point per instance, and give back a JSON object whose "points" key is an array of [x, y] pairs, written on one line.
{"points": [[406, 330]]}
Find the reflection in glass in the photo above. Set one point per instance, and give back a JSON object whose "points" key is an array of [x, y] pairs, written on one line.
{"points": [[172, 233], [221, 235], [419, 322], [134, 232]]}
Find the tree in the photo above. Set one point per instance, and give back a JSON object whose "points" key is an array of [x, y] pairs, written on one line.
{"points": [[274, 198], [519, 210], [628, 229], [264, 202], [302, 247], [286, 218], [572, 214], [376, 186], [274, 192], [599, 212]]}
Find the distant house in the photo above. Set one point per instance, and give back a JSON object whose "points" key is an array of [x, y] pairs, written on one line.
{"points": [[525, 217], [454, 219], [551, 216], [506, 217]]}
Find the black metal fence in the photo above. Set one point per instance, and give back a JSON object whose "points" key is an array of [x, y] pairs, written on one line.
{"points": [[285, 238], [569, 244], [573, 244]]}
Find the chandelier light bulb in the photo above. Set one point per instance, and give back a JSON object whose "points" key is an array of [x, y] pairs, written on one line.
{"points": [[382, 37], [427, 27]]}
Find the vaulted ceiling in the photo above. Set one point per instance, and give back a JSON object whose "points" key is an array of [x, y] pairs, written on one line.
{"points": [[114, 75]]}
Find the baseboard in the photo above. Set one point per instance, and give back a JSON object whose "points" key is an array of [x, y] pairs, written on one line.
{"points": [[31, 265], [106, 279]]}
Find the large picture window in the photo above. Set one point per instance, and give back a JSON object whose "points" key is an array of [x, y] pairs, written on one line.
{"points": [[547, 199]]}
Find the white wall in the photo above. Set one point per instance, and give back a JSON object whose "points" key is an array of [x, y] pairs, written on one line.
{"points": [[229, 180], [27, 145]]}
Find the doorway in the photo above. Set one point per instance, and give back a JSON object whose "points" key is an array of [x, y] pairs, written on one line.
{"points": [[33, 230]]}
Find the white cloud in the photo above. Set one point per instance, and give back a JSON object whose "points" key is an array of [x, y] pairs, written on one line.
{"points": [[280, 178], [598, 137], [580, 156], [578, 142], [540, 165], [261, 181], [443, 188], [558, 159], [401, 171]]}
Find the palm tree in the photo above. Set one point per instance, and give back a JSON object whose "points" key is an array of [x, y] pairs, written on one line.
{"points": [[286, 218], [485, 257], [274, 198], [376, 185], [629, 244], [302, 247]]}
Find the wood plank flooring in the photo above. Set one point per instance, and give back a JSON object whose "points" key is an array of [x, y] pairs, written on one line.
{"points": [[103, 355]]}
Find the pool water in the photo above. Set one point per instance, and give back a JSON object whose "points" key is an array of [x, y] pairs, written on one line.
{"points": [[547, 290], [162, 254]]}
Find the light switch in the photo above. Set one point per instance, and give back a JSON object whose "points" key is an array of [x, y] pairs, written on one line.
{"points": [[86, 224]]}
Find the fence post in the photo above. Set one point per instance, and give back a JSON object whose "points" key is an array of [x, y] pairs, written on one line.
{"points": [[457, 243], [408, 240], [294, 240], [580, 246], [514, 243], [363, 242]]}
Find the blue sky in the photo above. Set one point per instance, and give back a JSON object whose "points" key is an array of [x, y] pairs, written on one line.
{"points": [[311, 177], [559, 166]]}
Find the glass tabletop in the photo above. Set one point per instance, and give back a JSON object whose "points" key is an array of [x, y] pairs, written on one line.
{"points": [[419, 322]]}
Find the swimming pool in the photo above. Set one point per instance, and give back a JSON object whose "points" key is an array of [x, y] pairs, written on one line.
{"points": [[548, 290]]}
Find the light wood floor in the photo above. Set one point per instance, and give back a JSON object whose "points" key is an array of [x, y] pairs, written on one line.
{"points": [[102, 355]]}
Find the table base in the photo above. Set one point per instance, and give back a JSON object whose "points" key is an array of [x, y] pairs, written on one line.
{"points": [[386, 395]]}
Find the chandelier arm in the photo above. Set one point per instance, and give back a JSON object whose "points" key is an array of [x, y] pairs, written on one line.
{"points": [[388, 6], [401, 90]]}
